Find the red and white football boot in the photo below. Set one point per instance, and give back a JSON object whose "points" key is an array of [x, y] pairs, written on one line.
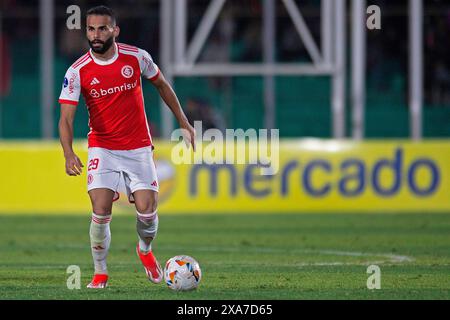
{"points": [[151, 266], [99, 281]]}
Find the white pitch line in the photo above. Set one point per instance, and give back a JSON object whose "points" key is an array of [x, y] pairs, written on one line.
{"points": [[307, 264], [392, 257], [387, 257]]}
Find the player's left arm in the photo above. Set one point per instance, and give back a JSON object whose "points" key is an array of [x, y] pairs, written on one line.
{"points": [[170, 98]]}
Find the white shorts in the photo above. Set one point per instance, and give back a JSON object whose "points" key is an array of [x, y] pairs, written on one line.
{"points": [[122, 170]]}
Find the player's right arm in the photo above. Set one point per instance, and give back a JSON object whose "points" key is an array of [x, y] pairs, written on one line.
{"points": [[73, 163], [68, 99]]}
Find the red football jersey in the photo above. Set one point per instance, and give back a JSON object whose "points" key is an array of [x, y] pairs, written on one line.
{"points": [[113, 93]]}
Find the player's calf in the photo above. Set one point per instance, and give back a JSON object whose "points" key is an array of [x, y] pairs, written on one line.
{"points": [[100, 236], [147, 228]]}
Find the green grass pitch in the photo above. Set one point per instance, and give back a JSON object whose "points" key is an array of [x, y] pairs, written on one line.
{"points": [[277, 256]]}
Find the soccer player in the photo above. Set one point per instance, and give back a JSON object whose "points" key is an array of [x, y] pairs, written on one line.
{"points": [[119, 141]]}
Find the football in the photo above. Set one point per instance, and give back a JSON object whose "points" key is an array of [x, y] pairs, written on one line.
{"points": [[182, 273]]}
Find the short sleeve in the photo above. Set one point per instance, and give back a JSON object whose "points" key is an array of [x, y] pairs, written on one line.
{"points": [[71, 88], [149, 69]]}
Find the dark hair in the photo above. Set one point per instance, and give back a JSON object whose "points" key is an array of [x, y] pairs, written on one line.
{"points": [[102, 11]]}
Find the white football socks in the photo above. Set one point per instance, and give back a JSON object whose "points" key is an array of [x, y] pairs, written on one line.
{"points": [[147, 227], [100, 234]]}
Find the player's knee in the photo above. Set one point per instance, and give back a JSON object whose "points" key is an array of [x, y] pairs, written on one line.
{"points": [[148, 206], [102, 210], [101, 204], [146, 201]]}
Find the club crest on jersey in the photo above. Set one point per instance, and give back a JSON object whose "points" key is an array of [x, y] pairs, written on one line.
{"points": [[127, 72]]}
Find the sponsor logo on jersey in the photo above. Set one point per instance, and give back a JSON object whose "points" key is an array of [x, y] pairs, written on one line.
{"points": [[94, 94], [71, 82], [147, 61], [127, 71], [104, 92]]}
